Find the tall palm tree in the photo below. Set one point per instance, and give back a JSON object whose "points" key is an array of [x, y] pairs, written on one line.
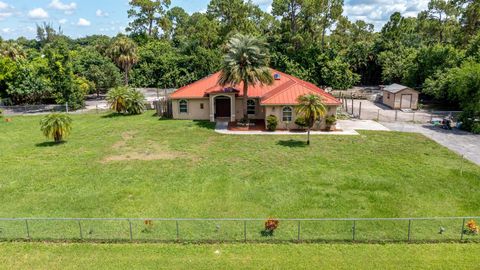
{"points": [[123, 52], [56, 126], [311, 107], [12, 50], [246, 61]]}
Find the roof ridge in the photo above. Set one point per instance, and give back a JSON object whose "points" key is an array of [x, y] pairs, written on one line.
{"points": [[195, 82]]}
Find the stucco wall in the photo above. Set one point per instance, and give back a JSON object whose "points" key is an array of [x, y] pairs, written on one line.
{"points": [[194, 110], [260, 112], [277, 111], [395, 99]]}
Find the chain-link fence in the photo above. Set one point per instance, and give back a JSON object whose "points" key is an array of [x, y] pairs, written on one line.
{"points": [[239, 230], [368, 110], [33, 109]]}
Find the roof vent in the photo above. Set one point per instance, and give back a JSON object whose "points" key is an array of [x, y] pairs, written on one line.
{"points": [[277, 76]]}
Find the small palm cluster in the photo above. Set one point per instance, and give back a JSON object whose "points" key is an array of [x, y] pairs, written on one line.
{"points": [[56, 126], [126, 100]]}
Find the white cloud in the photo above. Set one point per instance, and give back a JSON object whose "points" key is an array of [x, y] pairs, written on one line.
{"points": [[378, 12], [57, 4], [38, 13], [6, 30], [3, 5], [83, 22], [101, 13], [62, 21]]}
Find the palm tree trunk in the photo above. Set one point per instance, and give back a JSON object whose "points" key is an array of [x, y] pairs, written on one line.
{"points": [[126, 77], [308, 136], [245, 100]]}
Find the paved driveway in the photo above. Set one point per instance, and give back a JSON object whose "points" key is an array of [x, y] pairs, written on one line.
{"points": [[464, 143]]}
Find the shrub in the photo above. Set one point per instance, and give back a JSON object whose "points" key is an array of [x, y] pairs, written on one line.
{"points": [[56, 126], [117, 99], [126, 100], [270, 226], [135, 102], [301, 122], [331, 120], [472, 227], [1, 113], [272, 123]]}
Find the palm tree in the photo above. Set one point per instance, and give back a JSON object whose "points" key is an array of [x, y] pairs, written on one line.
{"points": [[246, 61], [12, 50], [117, 99], [123, 52], [56, 126], [311, 107]]}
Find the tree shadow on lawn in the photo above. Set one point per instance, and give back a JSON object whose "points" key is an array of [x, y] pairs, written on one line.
{"points": [[292, 143], [205, 124], [50, 144]]}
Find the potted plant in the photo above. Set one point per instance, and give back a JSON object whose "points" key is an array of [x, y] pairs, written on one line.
{"points": [[330, 122]]}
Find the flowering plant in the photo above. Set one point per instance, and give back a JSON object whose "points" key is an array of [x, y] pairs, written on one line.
{"points": [[472, 227], [270, 226], [148, 226]]}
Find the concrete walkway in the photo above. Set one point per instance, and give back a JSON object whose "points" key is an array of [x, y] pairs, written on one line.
{"points": [[461, 142], [348, 127]]}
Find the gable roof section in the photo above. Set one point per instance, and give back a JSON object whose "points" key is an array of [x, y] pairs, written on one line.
{"points": [[395, 88], [283, 91]]}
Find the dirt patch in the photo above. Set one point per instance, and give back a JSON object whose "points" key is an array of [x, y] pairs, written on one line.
{"points": [[149, 151]]}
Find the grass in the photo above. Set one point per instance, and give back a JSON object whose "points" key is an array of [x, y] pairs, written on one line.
{"points": [[139, 166], [222, 256]]}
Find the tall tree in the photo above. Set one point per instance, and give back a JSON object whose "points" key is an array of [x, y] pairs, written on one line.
{"points": [[148, 16], [311, 107], [246, 62], [123, 52], [322, 14]]}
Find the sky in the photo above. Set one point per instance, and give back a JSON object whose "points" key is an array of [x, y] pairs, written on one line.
{"points": [[79, 18]]}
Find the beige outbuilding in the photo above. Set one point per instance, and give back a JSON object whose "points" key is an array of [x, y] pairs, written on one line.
{"points": [[400, 97]]}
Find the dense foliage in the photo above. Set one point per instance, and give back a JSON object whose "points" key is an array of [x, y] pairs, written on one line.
{"points": [[126, 100], [167, 48]]}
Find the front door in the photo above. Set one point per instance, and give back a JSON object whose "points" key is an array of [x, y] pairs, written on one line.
{"points": [[222, 107], [406, 102]]}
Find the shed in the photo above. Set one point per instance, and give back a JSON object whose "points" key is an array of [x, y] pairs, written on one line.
{"points": [[399, 97]]}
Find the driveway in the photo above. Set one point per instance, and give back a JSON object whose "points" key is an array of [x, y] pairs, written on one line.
{"points": [[464, 143]]}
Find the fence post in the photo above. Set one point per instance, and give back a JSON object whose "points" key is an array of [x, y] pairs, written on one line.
{"points": [[66, 107], [354, 229], [413, 117], [130, 226], [80, 228], [431, 116], [245, 230], [461, 165], [299, 228], [178, 233], [409, 229], [352, 107], [360, 111], [378, 115], [396, 115], [463, 229], [28, 230]]}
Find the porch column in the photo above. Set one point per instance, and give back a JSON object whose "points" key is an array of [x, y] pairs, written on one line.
{"points": [[232, 108], [212, 109]]}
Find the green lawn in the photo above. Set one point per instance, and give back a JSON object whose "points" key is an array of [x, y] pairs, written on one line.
{"points": [[222, 256], [143, 167]]}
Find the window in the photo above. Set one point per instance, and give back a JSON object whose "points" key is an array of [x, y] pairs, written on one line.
{"points": [[201, 106], [388, 96], [287, 114], [183, 106], [251, 106]]}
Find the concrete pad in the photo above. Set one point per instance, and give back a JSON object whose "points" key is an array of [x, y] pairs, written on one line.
{"points": [[360, 125]]}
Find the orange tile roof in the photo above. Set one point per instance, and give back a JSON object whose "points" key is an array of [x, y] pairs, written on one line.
{"points": [[284, 91]]}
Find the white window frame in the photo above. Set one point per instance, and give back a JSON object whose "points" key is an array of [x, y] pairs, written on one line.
{"points": [[289, 110], [181, 103], [249, 107]]}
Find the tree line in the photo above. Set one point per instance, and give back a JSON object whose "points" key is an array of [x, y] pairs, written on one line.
{"points": [[166, 47]]}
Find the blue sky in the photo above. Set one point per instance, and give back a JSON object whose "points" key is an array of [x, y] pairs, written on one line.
{"points": [[85, 17]]}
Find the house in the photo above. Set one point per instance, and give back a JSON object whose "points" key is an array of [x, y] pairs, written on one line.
{"points": [[399, 97], [207, 100]]}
